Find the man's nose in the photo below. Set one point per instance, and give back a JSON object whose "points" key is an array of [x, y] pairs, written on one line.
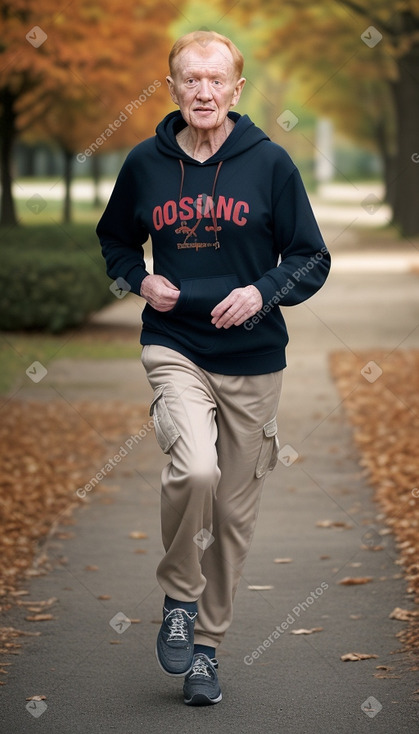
{"points": [[205, 91]]}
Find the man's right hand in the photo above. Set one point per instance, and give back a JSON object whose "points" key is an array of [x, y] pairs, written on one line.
{"points": [[159, 292]]}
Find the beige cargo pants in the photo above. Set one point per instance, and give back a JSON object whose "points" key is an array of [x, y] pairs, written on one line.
{"points": [[221, 434]]}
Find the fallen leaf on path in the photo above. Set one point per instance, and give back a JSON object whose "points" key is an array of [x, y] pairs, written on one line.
{"points": [[355, 580], [138, 535], [20, 592], [39, 618], [91, 568], [135, 621], [404, 615], [282, 560], [307, 632], [140, 550], [355, 616], [44, 603], [104, 597], [354, 656], [372, 547], [333, 524], [36, 698], [260, 588], [115, 642]]}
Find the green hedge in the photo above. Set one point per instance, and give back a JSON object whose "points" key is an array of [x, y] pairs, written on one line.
{"points": [[51, 277]]}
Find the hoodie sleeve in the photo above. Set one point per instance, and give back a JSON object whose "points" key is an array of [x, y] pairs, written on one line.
{"points": [[121, 233], [305, 260]]}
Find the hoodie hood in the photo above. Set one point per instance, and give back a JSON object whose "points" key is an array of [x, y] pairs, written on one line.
{"points": [[244, 136]]}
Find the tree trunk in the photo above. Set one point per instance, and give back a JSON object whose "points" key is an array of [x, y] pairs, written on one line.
{"points": [[406, 95], [95, 163], [389, 160], [68, 175], [8, 135], [390, 167]]}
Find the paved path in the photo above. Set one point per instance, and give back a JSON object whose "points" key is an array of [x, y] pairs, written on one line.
{"points": [[297, 684]]}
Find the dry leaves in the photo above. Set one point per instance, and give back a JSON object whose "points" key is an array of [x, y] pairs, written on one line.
{"points": [[35, 605], [282, 560], [333, 524], [47, 451], [39, 617], [260, 588], [307, 632], [354, 656], [355, 580], [404, 615], [138, 535], [385, 416]]}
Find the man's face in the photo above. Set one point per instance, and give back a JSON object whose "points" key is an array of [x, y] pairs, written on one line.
{"points": [[205, 84]]}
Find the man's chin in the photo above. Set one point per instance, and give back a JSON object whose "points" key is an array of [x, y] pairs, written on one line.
{"points": [[204, 120]]}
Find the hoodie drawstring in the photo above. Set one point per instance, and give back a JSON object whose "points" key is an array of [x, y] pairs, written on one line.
{"points": [[215, 226]]}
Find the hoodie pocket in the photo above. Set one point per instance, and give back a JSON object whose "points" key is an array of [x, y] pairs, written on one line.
{"points": [[190, 319], [198, 296]]}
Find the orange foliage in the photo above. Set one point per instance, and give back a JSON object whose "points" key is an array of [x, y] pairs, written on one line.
{"points": [[96, 59]]}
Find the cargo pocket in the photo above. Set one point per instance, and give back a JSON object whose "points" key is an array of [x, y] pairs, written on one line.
{"points": [[165, 427], [268, 455]]}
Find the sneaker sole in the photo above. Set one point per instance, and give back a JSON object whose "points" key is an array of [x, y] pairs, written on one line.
{"points": [[172, 675], [201, 700]]}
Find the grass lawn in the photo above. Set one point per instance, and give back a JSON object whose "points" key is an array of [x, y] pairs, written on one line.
{"points": [[19, 350]]}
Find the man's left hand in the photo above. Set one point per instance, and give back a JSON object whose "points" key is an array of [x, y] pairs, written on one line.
{"points": [[241, 304]]}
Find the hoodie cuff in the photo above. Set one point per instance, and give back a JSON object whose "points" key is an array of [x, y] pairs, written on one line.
{"points": [[134, 278], [266, 288]]}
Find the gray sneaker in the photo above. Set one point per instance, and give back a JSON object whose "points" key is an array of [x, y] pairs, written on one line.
{"points": [[174, 647], [201, 687]]}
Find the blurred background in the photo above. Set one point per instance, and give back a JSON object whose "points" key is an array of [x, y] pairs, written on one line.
{"points": [[335, 83]]}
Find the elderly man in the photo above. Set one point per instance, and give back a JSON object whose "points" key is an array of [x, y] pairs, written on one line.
{"points": [[233, 238]]}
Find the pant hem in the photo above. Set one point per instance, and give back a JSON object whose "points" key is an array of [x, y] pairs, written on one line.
{"points": [[200, 639]]}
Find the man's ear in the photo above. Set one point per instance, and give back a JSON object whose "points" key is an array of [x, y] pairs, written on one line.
{"points": [[237, 91], [171, 85]]}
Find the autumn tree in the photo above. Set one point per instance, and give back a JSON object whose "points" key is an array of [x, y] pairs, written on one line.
{"points": [[69, 73], [360, 41]]}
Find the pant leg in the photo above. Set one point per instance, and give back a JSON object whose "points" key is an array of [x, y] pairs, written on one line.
{"points": [[246, 449], [184, 416]]}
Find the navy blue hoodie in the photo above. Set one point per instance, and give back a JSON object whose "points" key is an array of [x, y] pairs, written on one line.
{"points": [[241, 217]]}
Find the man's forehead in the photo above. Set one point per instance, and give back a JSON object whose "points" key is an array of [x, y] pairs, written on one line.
{"points": [[214, 57]]}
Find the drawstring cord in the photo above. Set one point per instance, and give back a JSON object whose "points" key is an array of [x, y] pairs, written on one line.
{"points": [[208, 228], [213, 211]]}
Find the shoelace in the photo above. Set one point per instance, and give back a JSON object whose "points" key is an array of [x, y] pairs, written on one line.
{"points": [[177, 627], [200, 667]]}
